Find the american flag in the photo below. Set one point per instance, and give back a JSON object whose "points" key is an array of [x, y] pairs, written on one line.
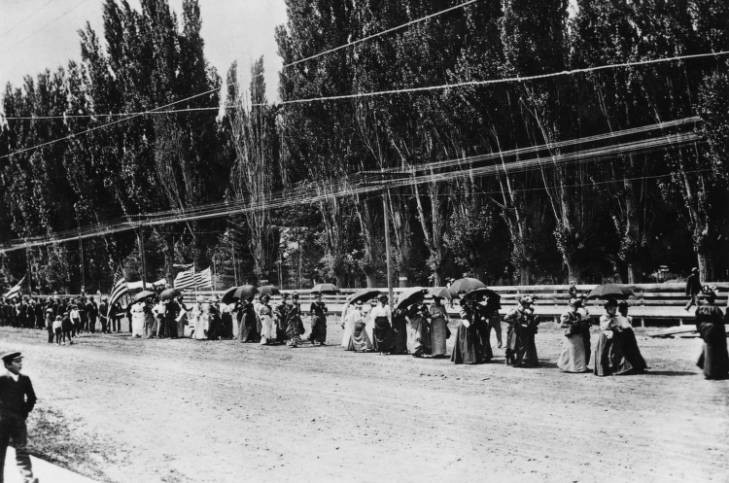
{"points": [[120, 288], [195, 280], [15, 291]]}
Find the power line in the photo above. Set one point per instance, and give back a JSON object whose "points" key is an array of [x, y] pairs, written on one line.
{"points": [[404, 90], [303, 195]]}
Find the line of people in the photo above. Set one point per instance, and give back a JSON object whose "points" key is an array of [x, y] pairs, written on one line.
{"points": [[421, 330]]}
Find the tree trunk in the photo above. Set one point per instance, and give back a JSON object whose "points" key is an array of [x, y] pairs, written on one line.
{"points": [[371, 280]]}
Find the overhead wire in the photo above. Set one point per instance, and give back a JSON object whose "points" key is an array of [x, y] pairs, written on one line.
{"points": [[303, 194]]}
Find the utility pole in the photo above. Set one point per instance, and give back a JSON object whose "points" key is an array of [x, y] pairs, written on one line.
{"points": [[385, 217], [140, 242], [83, 264], [235, 263]]}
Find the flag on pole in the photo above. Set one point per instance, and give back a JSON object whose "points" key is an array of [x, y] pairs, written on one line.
{"points": [[15, 291], [120, 288], [191, 279]]}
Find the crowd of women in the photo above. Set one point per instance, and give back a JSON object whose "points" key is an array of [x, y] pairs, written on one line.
{"points": [[369, 325], [422, 330]]}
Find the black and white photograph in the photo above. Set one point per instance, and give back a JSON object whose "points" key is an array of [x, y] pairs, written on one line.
{"points": [[364, 241]]}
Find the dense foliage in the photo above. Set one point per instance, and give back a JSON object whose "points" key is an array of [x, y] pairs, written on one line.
{"points": [[585, 212]]}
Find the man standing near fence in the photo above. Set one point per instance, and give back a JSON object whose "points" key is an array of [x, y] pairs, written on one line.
{"points": [[693, 287]]}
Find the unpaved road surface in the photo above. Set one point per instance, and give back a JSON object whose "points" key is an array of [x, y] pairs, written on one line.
{"points": [[126, 410]]}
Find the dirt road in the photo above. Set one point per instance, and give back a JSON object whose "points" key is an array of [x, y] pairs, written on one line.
{"points": [[130, 410]]}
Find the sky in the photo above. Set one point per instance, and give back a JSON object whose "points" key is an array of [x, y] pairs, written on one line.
{"points": [[39, 34]]}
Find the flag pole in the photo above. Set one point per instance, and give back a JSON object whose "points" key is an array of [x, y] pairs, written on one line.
{"points": [[140, 242]]}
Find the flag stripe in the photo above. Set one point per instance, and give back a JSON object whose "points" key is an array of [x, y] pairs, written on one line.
{"points": [[15, 291]]}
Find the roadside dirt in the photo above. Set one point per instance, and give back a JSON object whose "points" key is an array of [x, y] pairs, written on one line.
{"points": [[183, 410]]}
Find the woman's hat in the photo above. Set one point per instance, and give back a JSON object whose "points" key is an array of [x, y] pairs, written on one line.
{"points": [[611, 303], [382, 297], [199, 299], [526, 300]]}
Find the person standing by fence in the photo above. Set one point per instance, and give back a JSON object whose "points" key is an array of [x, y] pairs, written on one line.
{"points": [[714, 359], [318, 313], [693, 287]]}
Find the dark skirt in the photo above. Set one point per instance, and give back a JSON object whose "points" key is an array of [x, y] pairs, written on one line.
{"points": [[521, 348], [318, 329], [383, 335], [248, 329], [484, 332], [399, 336], [467, 348], [619, 356], [226, 326], [294, 328], [714, 359]]}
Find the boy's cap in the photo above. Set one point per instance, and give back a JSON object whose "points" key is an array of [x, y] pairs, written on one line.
{"points": [[11, 356]]}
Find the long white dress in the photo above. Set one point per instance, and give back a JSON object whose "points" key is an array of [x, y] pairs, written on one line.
{"points": [[137, 319], [268, 328], [202, 325], [348, 319]]}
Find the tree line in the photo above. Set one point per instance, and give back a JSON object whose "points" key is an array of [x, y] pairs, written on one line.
{"points": [[613, 212]]}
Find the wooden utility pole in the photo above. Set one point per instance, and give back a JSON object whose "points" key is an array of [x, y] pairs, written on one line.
{"points": [[140, 242], [385, 217], [83, 264]]}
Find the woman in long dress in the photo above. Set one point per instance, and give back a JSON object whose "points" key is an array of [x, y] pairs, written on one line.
{"points": [[202, 324], [438, 328], [294, 324], [483, 312], [247, 322], [382, 332], [318, 312], [399, 333], [350, 315], [714, 359], [138, 317], [268, 323], [573, 357], [418, 330], [521, 350], [467, 347], [358, 341], [617, 350]]}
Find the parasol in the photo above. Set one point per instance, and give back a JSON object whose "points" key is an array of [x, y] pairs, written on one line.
{"points": [[268, 290], [410, 296], [465, 285], [169, 293], [441, 292], [363, 295], [143, 295], [479, 293], [237, 293], [611, 291], [325, 288]]}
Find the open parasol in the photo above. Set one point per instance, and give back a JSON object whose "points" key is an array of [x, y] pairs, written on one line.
{"points": [[440, 292], [169, 293], [236, 293], [268, 290], [325, 288], [479, 293], [143, 295], [464, 285], [363, 295], [410, 296], [611, 291]]}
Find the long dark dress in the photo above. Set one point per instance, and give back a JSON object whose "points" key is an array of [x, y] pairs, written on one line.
{"points": [[226, 330], [617, 354], [399, 333], [484, 332], [714, 359], [172, 309], [281, 312], [521, 350], [467, 348], [318, 322], [247, 323], [294, 325], [418, 342]]}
